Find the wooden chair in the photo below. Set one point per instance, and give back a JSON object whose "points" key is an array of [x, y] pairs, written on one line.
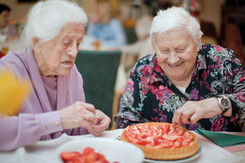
{"points": [[99, 71], [233, 40], [116, 99], [209, 32], [209, 40], [208, 29]]}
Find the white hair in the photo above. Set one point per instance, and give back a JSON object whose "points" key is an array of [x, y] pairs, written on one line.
{"points": [[174, 18], [46, 19]]}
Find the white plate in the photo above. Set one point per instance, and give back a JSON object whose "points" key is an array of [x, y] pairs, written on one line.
{"points": [[113, 150], [176, 161]]}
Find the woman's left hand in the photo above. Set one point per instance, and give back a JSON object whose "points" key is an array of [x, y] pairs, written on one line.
{"points": [[101, 123], [192, 111]]}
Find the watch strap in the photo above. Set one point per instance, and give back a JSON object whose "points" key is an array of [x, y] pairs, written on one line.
{"points": [[224, 111]]}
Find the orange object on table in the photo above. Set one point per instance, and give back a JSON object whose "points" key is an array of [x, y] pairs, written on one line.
{"points": [[96, 44]]}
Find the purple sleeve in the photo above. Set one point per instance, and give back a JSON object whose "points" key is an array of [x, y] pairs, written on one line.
{"points": [[27, 129], [37, 119]]}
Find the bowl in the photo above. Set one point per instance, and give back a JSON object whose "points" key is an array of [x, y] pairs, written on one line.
{"points": [[113, 150]]}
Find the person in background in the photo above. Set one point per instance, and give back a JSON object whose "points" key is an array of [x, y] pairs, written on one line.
{"points": [[143, 46], [56, 104], [104, 28], [126, 15], [8, 31], [132, 52], [185, 82]]}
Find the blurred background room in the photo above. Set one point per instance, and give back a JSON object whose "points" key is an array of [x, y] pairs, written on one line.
{"points": [[215, 17]]}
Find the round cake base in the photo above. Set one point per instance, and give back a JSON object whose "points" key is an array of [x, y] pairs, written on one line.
{"points": [[166, 153]]}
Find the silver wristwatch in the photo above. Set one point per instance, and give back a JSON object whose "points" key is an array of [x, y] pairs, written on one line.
{"points": [[224, 103]]}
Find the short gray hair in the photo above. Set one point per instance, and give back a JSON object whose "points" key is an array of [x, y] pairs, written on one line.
{"points": [[173, 18], [46, 19]]}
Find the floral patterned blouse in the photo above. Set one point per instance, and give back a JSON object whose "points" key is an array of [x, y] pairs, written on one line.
{"points": [[150, 96]]}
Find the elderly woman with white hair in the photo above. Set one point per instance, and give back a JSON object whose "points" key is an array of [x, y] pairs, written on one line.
{"points": [[186, 83], [56, 105]]}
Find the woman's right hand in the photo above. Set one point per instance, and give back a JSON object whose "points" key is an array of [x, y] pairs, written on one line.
{"points": [[77, 115]]}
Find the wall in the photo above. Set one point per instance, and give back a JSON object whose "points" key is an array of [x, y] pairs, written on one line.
{"points": [[18, 9], [210, 9]]}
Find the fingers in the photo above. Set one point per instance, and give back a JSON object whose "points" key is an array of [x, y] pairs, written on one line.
{"points": [[84, 114], [89, 116], [180, 116], [185, 114], [177, 118], [89, 112], [89, 107], [193, 111], [102, 123], [77, 115], [195, 117], [99, 116], [94, 132]]}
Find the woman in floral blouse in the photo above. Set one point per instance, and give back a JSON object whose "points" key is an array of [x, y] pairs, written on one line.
{"points": [[185, 82]]}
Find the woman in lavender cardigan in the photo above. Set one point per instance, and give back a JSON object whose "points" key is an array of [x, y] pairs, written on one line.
{"points": [[56, 105]]}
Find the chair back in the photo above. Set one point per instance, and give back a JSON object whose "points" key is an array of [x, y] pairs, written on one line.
{"points": [[209, 33], [208, 29], [130, 35], [233, 40], [99, 72]]}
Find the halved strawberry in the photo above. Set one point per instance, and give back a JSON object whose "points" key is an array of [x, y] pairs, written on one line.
{"points": [[70, 156]]}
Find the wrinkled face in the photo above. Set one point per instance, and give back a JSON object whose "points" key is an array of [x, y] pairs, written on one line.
{"points": [[57, 56], [4, 18], [176, 54]]}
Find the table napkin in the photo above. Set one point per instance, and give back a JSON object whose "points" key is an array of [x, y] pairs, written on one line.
{"points": [[222, 139]]}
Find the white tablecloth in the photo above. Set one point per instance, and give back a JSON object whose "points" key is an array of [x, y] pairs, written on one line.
{"points": [[45, 151]]}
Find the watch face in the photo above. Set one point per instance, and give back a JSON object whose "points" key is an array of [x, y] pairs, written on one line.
{"points": [[225, 102]]}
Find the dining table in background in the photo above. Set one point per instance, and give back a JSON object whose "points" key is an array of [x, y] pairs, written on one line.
{"points": [[46, 151]]}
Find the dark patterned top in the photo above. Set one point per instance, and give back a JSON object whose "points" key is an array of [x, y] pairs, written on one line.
{"points": [[150, 96]]}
